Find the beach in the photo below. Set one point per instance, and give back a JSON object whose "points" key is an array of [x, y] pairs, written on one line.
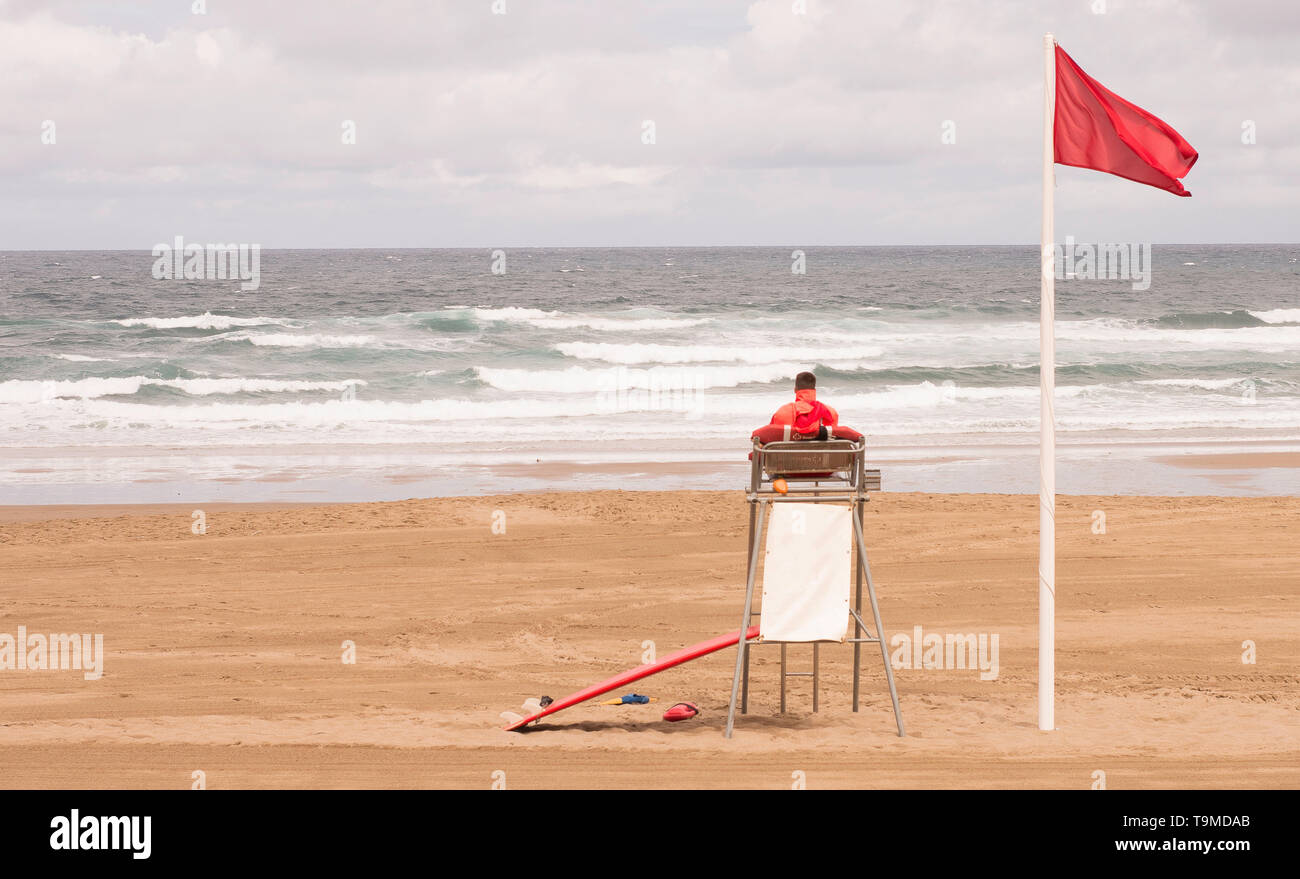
{"points": [[224, 651], [327, 535]]}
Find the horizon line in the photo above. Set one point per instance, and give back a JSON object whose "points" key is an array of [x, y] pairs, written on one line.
{"points": [[492, 247]]}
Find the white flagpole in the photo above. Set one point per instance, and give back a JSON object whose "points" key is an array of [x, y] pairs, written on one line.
{"points": [[1047, 412]]}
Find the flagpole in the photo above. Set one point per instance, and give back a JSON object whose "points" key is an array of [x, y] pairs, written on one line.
{"points": [[1047, 413]]}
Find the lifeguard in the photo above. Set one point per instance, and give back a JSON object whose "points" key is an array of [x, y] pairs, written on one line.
{"points": [[806, 418]]}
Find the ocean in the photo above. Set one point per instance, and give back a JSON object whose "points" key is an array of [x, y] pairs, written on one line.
{"points": [[375, 374]]}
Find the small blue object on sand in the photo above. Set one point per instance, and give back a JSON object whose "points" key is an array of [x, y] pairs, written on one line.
{"points": [[635, 699]]}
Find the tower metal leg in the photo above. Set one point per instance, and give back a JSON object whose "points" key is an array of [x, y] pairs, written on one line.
{"points": [[816, 673], [783, 676], [742, 646], [857, 625], [744, 684], [875, 612]]}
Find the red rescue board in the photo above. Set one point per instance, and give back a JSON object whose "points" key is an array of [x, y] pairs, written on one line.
{"points": [[635, 674]]}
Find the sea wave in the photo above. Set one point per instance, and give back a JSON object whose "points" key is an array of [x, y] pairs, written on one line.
{"points": [[578, 379], [645, 353], [290, 340], [205, 321], [27, 391], [1204, 320], [917, 410], [558, 320], [630, 417], [1206, 384], [1279, 316]]}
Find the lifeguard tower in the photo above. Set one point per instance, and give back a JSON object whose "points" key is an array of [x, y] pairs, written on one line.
{"points": [[815, 525], [814, 528]]}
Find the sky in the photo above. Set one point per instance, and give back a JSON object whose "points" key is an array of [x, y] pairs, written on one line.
{"points": [[524, 122]]}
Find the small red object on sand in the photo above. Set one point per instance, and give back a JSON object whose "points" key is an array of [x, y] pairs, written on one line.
{"points": [[681, 711]]}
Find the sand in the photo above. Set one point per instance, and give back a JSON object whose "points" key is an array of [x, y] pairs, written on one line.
{"points": [[224, 651], [1236, 461]]}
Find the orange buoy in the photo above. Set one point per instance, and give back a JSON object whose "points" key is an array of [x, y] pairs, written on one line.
{"points": [[779, 485]]}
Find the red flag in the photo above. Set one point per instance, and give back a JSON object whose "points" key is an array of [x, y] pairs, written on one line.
{"points": [[1096, 128]]}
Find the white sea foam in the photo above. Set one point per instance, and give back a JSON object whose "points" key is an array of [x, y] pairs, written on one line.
{"points": [[931, 396], [941, 415], [25, 391], [557, 320], [1208, 384], [1279, 316], [1126, 336], [207, 386], [924, 409], [616, 325], [290, 340], [578, 379], [342, 413], [637, 353], [894, 345], [205, 321]]}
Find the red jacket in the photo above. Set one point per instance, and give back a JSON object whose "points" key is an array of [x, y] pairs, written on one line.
{"points": [[805, 415]]}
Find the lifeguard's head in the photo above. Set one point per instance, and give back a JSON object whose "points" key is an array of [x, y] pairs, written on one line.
{"points": [[805, 381]]}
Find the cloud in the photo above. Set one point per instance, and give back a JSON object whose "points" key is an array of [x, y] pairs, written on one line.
{"points": [[473, 128]]}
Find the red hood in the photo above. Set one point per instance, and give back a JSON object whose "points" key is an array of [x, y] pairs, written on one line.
{"points": [[804, 400]]}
